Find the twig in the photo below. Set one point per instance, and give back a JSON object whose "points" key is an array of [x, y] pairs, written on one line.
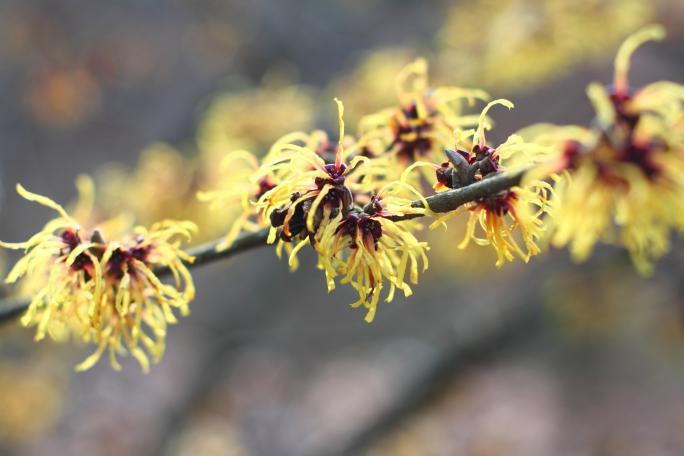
{"points": [[207, 253], [453, 199]]}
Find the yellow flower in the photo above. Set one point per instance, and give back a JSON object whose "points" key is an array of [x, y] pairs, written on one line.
{"points": [[622, 181], [254, 192], [311, 191], [367, 248], [500, 216], [422, 126], [106, 293], [517, 210]]}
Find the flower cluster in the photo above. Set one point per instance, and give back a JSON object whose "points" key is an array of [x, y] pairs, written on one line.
{"points": [[356, 202], [350, 200], [311, 190], [326, 199], [366, 246], [103, 292], [423, 123], [508, 218], [621, 181]]}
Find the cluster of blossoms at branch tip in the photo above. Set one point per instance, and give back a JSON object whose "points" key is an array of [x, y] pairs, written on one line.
{"points": [[620, 181], [511, 221], [103, 292]]}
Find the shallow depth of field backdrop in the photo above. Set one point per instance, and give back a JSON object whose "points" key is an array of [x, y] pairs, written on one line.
{"points": [[140, 93]]}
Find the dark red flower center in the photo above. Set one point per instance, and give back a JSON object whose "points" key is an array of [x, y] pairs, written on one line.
{"points": [[335, 177], [338, 198], [411, 140], [620, 138], [363, 225], [500, 204], [114, 266], [265, 185], [125, 257]]}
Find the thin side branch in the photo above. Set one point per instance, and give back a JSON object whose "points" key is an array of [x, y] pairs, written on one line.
{"points": [[453, 199], [207, 253]]}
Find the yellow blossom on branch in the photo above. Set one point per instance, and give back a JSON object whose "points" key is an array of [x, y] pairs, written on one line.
{"points": [[511, 221], [622, 180], [367, 248], [423, 123], [500, 216], [104, 293]]}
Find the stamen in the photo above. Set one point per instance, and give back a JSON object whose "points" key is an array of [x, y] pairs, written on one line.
{"points": [[624, 55], [480, 134], [44, 201], [340, 122], [412, 80]]}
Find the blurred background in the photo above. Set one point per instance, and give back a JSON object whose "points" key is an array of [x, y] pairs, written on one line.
{"points": [[551, 358]]}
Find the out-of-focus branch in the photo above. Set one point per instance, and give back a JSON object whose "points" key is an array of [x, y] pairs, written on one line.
{"points": [[207, 253], [484, 338]]}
